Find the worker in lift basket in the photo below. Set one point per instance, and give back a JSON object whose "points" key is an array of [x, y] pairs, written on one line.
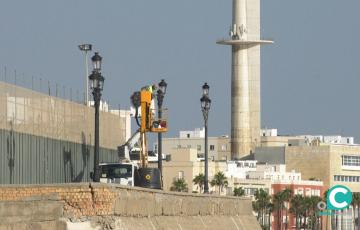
{"points": [[151, 89]]}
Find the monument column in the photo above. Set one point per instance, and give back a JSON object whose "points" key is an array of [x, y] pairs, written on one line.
{"points": [[245, 76]]}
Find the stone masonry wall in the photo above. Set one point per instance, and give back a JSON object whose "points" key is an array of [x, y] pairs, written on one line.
{"points": [[81, 199], [87, 200]]}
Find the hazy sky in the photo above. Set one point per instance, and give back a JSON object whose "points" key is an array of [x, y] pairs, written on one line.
{"points": [[310, 76]]}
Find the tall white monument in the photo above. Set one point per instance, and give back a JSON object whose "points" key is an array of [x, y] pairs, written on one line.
{"points": [[245, 80]]}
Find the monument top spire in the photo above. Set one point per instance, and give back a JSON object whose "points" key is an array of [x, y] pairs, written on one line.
{"points": [[245, 80]]}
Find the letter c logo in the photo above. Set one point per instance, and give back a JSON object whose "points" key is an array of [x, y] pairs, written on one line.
{"points": [[339, 197]]}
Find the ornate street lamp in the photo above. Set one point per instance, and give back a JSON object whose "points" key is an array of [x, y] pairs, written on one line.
{"points": [[205, 89], [96, 60], [96, 85], [160, 97], [205, 107]]}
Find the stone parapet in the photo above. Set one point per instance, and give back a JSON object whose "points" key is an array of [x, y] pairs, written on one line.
{"points": [[128, 205]]}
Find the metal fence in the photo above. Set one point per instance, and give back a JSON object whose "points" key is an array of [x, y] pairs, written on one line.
{"points": [[46, 139]]}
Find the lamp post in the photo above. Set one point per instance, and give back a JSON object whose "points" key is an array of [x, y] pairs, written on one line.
{"points": [[160, 97], [86, 48], [205, 107], [96, 85]]}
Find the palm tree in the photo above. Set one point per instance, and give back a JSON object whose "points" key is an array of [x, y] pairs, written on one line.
{"points": [[256, 208], [307, 207], [327, 217], [270, 209], [296, 208], [239, 191], [219, 180], [313, 214], [356, 206], [262, 201], [278, 201], [199, 180], [179, 185], [286, 193]]}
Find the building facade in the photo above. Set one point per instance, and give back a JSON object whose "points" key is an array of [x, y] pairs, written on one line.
{"points": [[303, 188], [334, 164], [45, 139], [218, 147], [186, 165]]}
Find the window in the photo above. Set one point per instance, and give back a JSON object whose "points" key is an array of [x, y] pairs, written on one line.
{"points": [[348, 160], [300, 191], [223, 147], [188, 135], [181, 175], [199, 147], [347, 178], [212, 147], [116, 171]]}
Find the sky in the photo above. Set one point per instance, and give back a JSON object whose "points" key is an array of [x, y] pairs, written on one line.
{"points": [[310, 76]]}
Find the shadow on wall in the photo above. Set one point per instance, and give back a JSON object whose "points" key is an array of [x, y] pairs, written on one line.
{"points": [[10, 150], [68, 162]]}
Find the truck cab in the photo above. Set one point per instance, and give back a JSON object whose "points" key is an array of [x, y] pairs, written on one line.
{"points": [[118, 173]]}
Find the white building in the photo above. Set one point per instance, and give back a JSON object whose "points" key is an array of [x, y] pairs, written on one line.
{"points": [[329, 139], [268, 132], [239, 169], [197, 133], [127, 115], [274, 173]]}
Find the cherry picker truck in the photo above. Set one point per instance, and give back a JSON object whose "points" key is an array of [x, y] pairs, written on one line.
{"points": [[132, 169], [144, 176]]}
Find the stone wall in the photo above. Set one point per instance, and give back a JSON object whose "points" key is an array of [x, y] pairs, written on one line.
{"points": [[36, 213], [130, 207], [27, 111]]}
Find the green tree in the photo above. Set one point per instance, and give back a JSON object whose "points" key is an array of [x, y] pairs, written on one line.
{"points": [[199, 180], [297, 209], [314, 219], [239, 191], [356, 206], [327, 217], [219, 180], [287, 194], [262, 205], [269, 209], [179, 185], [280, 200]]}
